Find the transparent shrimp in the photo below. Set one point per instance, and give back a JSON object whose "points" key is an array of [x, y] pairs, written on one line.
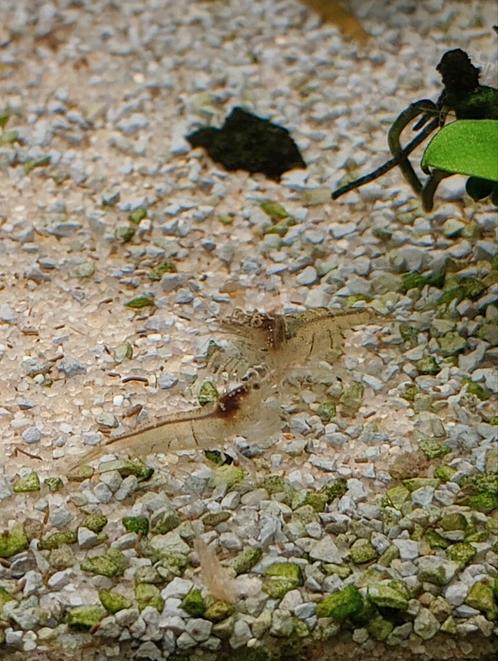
{"points": [[243, 410], [280, 341]]}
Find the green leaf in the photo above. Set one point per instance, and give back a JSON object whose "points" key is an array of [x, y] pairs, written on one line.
{"points": [[140, 302], [467, 146]]}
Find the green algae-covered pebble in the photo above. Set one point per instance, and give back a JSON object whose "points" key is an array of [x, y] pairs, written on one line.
{"points": [[212, 519], [409, 334], [435, 540], [397, 495], [390, 554], [53, 483], [61, 557], [452, 343], [318, 501], [138, 524], [281, 228], [81, 473], [137, 215], [352, 397], [208, 393], [140, 302], [274, 210], [147, 594], [343, 571], [96, 521], [334, 488], [148, 574], [420, 482], [174, 562], [410, 392], [453, 521], [217, 457], [112, 563], [158, 272], [434, 449], [444, 473], [13, 541], [124, 233], [26, 484], [427, 365], [4, 598], [476, 536], [122, 352], [113, 601], [482, 482], [461, 553], [135, 467], [224, 630], [280, 577], [480, 391], [227, 474], [489, 333], [193, 603], [436, 569], [449, 626], [57, 539], [218, 611], [85, 617], [166, 522], [392, 594], [362, 551], [483, 502], [246, 559], [275, 484], [480, 596], [379, 628], [341, 605], [327, 410], [126, 467]]}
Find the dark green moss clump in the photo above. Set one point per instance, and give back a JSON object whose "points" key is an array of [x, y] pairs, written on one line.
{"points": [[465, 288], [417, 281], [113, 601], [247, 142], [335, 488], [138, 524], [193, 603], [341, 605], [480, 491], [13, 541]]}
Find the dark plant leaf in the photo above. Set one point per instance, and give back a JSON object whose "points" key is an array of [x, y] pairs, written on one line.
{"points": [[247, 142], [477, 188]]}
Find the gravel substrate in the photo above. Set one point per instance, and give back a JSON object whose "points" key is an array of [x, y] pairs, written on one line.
{"points": [[367, 528]]}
